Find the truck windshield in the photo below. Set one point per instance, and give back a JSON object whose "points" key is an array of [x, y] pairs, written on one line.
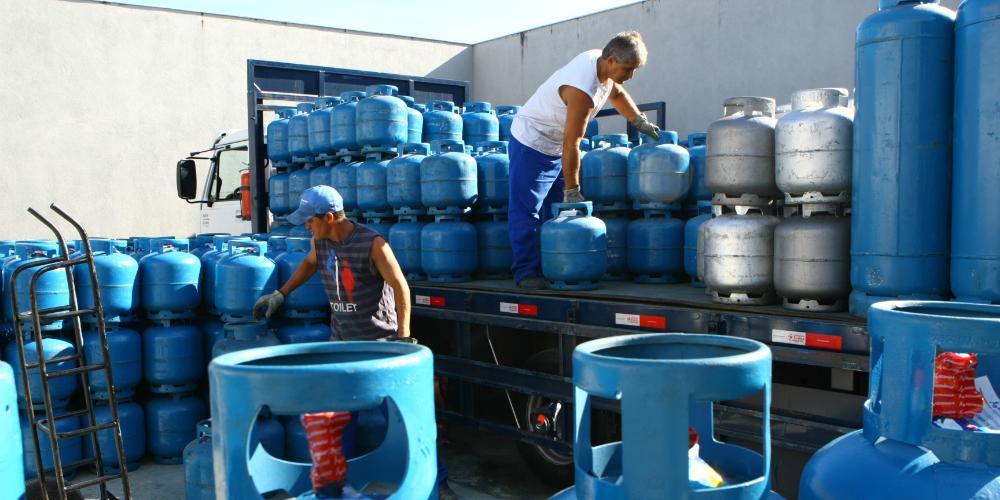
{"points": [[231, 162]]}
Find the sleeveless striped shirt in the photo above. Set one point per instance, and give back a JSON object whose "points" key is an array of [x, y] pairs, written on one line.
{"points": [[362, 303]]}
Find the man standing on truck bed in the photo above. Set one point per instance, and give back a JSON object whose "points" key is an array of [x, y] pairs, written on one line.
{"points": [[545, 141], [368, 294]]}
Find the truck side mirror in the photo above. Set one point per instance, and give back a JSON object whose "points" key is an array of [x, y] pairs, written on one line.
{"points": [[187, 180]]}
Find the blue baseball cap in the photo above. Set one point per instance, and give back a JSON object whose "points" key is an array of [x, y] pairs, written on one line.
{"points": [[317, 200]]}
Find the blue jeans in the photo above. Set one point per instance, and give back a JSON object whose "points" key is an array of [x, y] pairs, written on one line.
{"points": [[536, 182]]}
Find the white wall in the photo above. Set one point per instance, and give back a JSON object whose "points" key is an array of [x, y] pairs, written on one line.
{"points": [[101, 100], [700, 52]]}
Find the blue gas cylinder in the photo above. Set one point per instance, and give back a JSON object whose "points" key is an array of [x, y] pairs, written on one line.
{"points": [[404, 239], [658, 414], [301, 332], [277, 136], [200, 243], [170, 280], [276, 245], [479, 123], [371, 185], [209, 260], [656, 248], [574, 247], [975, 234], [243, 276], [495, 253], [173, 357], [902, 143], [382, 118], [505, 115], [493, 172], [212, 331], [357, 376], [241, 335], [414, 120], [658, 172], [617, 227], [270, 434], [141, 246], [343, 133], [696, 165], [442, 122], [318, 125], [402, 178], [321, 174], [691, 228], [281, 228], [6, 253], [118, 275], [277, 193], [298, 131], [345, 181], [199, 478], [296, 442], [52, 288], [171, 423], [380, 225], [603, 172], [448, 252], [903, 452], [300, 232], [125, 348], [593, 128], [70, 450], [448, 179], [60, 388], [132, 420], [309, 299], [11, 461], [298, 181]]}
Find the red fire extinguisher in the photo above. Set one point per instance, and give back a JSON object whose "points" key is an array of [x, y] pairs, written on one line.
{"points": [[245, 195]]}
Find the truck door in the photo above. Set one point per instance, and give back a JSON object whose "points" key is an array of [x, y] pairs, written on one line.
{"points": [[223, 216]]}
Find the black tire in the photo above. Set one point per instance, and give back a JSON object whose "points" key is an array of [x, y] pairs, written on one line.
{"points": [[552, 467]]}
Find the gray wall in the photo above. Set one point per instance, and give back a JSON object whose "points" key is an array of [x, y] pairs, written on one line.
{"points": [[100, 101], [700, 52]]}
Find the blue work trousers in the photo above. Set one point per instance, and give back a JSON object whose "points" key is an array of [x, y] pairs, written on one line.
{"points": [[536, 182]]}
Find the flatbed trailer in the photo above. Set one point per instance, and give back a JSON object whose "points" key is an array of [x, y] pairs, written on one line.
{"points": [[485, 334]]}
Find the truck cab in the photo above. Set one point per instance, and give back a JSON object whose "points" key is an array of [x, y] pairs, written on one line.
{"points": [[220, 200]]}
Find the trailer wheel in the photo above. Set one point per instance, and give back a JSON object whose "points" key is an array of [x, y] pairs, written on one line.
{"points": [[553, 467]]}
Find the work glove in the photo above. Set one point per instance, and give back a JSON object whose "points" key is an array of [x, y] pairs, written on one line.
{"points": [[397, 338], [647, 127], [268, 305], [572, 195]]}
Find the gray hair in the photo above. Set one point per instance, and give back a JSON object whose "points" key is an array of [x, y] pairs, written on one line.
{"points": [[626, 47]]}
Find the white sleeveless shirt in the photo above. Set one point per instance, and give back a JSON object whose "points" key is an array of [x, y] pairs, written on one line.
{"points": [[541, 122]]}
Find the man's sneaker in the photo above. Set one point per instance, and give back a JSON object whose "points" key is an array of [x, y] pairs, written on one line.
{"points": [[533, 282]]}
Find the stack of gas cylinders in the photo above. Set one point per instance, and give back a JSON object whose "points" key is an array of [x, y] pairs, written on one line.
{"points": [[813, 170], [738, 242], [53, 290]]}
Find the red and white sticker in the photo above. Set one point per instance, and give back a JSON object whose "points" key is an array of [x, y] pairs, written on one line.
{"points": [[427, 300], [641, 320], [807, 339], [522, 309]]}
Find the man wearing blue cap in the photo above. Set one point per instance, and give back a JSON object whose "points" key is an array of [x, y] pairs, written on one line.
{"points": [[368, 294]]}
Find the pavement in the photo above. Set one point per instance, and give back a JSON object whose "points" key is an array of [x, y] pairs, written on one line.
{"points": [[480, 466]]}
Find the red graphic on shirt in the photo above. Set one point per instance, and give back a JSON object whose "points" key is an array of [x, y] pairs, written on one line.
{"points": [[347, 278]]}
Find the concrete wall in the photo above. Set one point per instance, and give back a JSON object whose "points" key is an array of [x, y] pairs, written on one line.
{"points": [[700, 52], [101, 100]]}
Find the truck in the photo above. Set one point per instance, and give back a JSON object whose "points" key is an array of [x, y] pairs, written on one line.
{"points": [[506, 353]]}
